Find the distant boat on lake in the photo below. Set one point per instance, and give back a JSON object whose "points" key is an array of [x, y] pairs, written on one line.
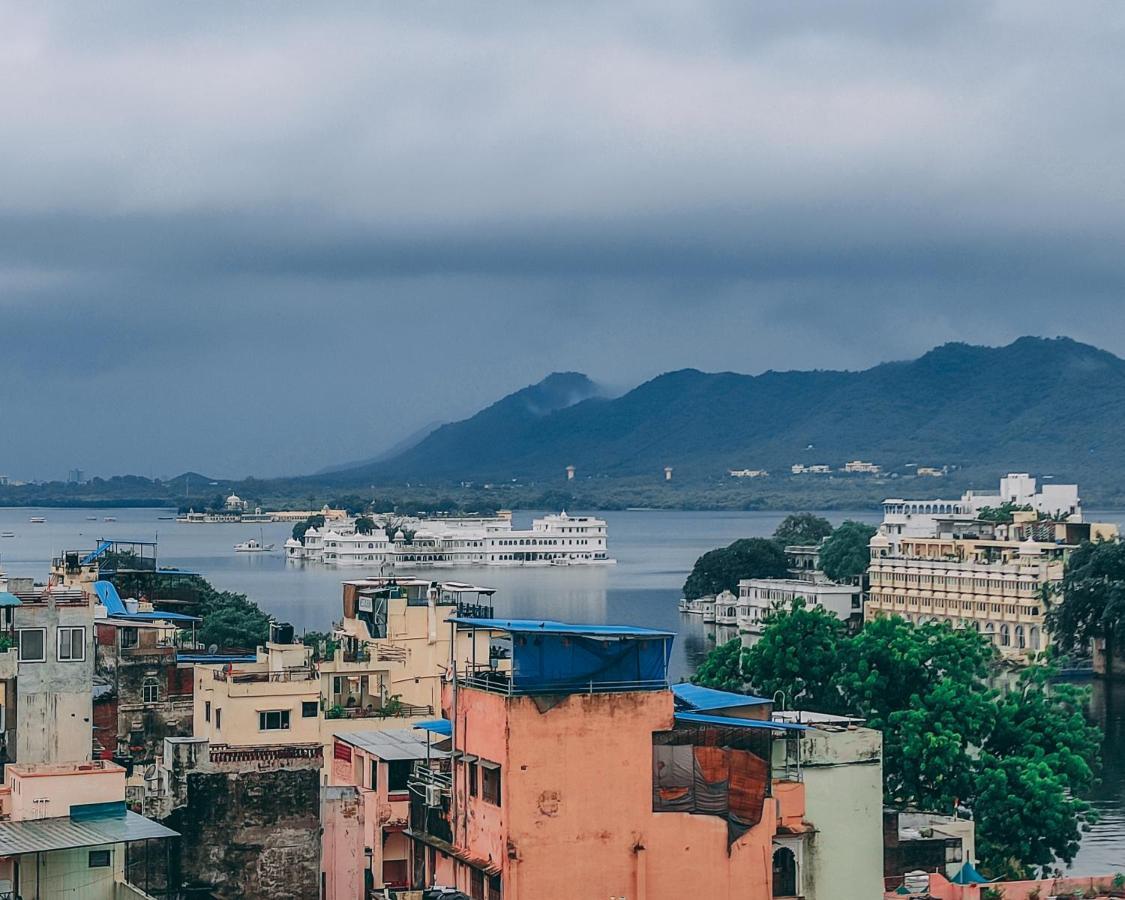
{"points": [[37, 520]]}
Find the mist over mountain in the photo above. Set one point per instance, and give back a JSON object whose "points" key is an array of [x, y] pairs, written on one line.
{"points": [[1048, 405]]}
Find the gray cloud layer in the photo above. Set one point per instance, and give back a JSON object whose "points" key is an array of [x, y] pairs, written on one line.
{"points": [[290, 236]]}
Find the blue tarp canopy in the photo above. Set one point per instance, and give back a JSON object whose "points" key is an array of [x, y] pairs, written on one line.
{"points": [[554, 657], [546, 626], [437, 726], [732, 722], [7, 599], [701, 698], [968, 874]]}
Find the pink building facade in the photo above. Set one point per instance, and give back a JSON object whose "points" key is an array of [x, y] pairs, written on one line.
{"points": [[566, 767]]}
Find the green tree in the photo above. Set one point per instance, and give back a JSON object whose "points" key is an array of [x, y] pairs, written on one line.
{"points": [[844, 555], [802, 528], [364, 525], [313, 521], [722, 569], [799, 654], [721, 670], [1090, 601], [1019, 759]]}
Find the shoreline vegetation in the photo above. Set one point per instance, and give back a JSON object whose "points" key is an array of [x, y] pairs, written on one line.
{"points": [[775, 494]]}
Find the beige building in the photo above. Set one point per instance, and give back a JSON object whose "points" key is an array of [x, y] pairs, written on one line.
{"points": [[985, 576], [390, 653]]}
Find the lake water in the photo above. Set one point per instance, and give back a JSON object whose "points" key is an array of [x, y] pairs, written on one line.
{"points": [[655, 550]]}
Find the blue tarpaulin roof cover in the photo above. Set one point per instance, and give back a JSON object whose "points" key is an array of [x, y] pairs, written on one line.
{"points": [[968, 874], [7, 599], [691, 718], [437, 726], [554, 657], [546, 626], [703, 698]]}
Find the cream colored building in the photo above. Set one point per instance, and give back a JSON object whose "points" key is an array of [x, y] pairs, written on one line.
{"points": [[392, 651], [984, 576]]}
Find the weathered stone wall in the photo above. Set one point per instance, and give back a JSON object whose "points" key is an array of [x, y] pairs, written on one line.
{"points": [[251, 834]]}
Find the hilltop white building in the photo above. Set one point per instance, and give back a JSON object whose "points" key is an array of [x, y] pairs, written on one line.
{"points": [[558, 540]]}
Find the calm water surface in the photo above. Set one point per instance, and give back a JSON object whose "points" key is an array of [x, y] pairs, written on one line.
{"points": [[655, 550]]}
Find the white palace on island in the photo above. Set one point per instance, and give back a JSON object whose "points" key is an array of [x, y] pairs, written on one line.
{"points": [[552, 540]]}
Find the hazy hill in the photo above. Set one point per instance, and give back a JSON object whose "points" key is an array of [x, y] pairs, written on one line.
{"points": [[1048, 405]]}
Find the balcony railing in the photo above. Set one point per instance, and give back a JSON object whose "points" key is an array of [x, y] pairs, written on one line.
{"points": [[402, 710], [501, 683], [241, 677]]}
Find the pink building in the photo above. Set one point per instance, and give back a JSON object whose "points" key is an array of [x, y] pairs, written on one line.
{"points": [[567, 767]]}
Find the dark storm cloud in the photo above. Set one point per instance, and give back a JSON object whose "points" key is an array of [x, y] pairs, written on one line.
{"points": [[301, 235]]}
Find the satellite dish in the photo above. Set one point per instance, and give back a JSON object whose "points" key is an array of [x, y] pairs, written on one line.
{"points": [[213, 649]]}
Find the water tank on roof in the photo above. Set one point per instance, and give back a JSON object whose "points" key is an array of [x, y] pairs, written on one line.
{"points": [[281, 633]]}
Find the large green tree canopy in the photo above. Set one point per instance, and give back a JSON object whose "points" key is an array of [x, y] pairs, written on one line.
{"points": [[1090, 601], [802, 528], [844, 555], [1019, 757], [722, 569]]}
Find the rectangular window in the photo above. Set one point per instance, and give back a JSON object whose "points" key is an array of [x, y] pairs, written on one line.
{"points": [[493, 887], [150, 691], [33, 645], [476, 884], [309, 709], [398, 775], [218, 718], [374, 774], [472, 779], [71, 644], [207, 711], [490, 782], [99, 859], [273, 720]]}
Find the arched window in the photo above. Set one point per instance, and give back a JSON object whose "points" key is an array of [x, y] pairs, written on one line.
{"points": [[1005, 636], [990, 632], [784, 873], [1034, 638], [1021, 640], [150, 690]]}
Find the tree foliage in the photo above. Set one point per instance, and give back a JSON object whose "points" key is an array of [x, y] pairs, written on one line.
{"points": [[844, 555], [364, 525], [802, 528], [1092, 593], [720, 669], [313, 521], [1018, 758], [722, 569]]}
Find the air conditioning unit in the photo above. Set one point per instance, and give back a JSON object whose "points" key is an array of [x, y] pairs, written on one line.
{"points": [[433, 795]]}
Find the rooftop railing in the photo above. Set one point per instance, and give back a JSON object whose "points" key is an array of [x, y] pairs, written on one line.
{"points": [[401, 710], [242, 677], [501, 683]]}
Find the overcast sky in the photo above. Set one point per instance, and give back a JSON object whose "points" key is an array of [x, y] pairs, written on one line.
{"points": [[264, 238]]}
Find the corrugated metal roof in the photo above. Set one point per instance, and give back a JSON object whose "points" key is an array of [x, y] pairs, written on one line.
{"points": [[401, 743], [64, 833], [704, 698], [521, 626], [732, 722]]}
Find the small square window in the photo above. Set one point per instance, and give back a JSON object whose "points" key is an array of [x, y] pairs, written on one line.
{"points": [[99, 859], [33, 644], [309, 709]]}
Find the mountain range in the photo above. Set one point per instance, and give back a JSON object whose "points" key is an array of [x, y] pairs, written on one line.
{"points": [[1043, 405]]}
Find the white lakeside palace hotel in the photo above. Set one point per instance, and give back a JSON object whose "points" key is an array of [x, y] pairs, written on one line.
{"points": [[553, 540]]}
